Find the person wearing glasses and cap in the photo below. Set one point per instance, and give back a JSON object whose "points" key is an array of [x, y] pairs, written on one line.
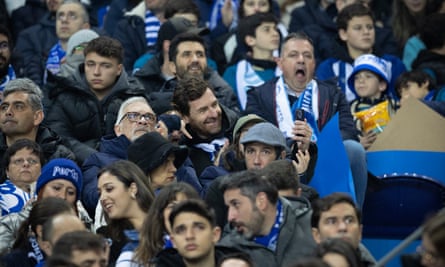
{"points": [[83, 108]]}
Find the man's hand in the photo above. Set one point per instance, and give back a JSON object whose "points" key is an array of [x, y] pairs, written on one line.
{"points": [[303, 161], [302, 134], [162, 129], [227, 13], [220, 152]]}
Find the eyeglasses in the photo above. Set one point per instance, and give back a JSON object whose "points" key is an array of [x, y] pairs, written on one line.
{"points": [[429, 256], [30, 161], [70, 16], [136, 116], [4, 45]]}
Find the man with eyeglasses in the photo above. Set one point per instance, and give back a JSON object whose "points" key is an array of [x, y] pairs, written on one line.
{"points": [[70, 18], [134, 118], [83, 108], [337, 216], [7, 72], [21, 116]]}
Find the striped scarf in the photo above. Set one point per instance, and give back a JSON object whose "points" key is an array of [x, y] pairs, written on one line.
{"points": [[152, 25]]}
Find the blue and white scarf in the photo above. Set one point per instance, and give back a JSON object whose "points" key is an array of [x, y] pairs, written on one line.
{"points": [[12, 198], [56, 54], [308, 101], [246, 79], [270, 241], [216, 16], [152, 26], [212, 148], [37, 253], [8, 77]]}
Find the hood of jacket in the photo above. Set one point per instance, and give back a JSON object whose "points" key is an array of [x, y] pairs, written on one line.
{"points": [[138, 10], [110, 144]]}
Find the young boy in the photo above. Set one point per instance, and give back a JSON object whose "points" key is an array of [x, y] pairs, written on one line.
{"points": [[369, 79], [194, 235], [356, 29], [259, 33], [417, 84]]}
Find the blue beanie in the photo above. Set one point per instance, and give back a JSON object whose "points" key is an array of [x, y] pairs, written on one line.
{"points": [[61, 169]]}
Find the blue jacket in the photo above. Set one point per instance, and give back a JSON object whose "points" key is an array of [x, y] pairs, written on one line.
{"points": [[111, 149], [261, 101]]}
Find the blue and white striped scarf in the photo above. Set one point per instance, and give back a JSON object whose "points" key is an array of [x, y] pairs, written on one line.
{"points": [[308, 101], [152, 26], [246, 79]]}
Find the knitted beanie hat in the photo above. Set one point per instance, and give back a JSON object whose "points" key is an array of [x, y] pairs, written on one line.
{"points": [[61, 169], [80, 37]]}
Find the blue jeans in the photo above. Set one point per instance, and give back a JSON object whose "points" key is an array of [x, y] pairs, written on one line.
{"points": [[357, 158]]}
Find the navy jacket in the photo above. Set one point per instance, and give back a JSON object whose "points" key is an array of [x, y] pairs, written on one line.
{"points": [[33, 46], [130, 31], [261, 101]]}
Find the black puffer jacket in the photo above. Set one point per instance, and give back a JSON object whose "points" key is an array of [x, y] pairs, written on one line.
{"points": [[77, 114], [52, 145]]}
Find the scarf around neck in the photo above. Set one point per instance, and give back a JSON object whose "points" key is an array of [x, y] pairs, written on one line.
{"points": [[308, 101]]}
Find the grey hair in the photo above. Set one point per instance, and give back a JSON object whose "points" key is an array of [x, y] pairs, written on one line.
{"points": [[126, 103], [85, 16], [29, 87]]}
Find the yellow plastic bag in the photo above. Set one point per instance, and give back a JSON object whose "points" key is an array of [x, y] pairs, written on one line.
{"points": [[374, 118]]}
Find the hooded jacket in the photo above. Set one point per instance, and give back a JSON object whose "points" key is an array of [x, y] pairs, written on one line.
{"points": [[77, 114], [294, 240]]}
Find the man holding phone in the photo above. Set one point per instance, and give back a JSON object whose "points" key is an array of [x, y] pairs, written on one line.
{"points": [[278, 100]]}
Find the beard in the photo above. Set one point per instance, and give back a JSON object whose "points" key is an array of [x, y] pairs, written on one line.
{"points": [[184, 73]]}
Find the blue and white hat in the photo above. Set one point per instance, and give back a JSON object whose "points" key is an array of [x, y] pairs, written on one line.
{"points": [[372, 63], [61, 168]]}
